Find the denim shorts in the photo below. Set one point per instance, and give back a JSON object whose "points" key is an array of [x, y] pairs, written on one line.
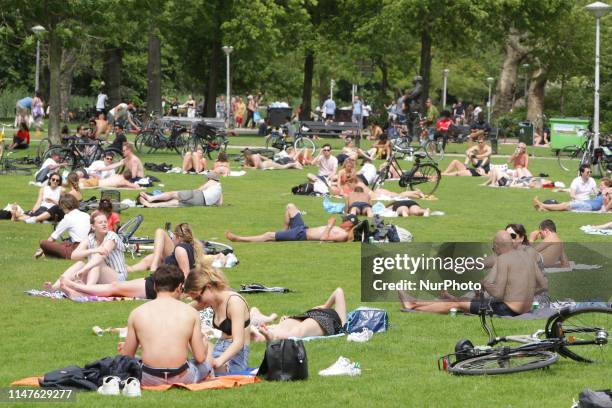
{"points": [[192, 375], [581, 205], [237, 363], [295, 232]]}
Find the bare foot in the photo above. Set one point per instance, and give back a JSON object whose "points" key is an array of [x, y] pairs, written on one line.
{"points": [[48, 286], [268, 335], [258, 318], [256, 335], [427, 212], [68, 291], [406, 301], [232, 237], [146, 203]]}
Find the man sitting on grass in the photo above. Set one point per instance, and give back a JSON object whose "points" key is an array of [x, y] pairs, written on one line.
{"points": [[511, 285], [256, 161], [551, 247], [296, 230], [166, 329], [207, 194]]}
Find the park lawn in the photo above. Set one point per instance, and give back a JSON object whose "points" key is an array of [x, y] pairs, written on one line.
{"points": [[399, 367]]}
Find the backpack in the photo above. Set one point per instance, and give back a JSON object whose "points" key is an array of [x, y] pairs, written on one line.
{"points": [[371, 318], [285, 360], [389, 233], [303, 189], [71, 377]]}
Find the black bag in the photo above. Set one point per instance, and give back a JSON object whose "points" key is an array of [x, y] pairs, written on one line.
{"points": [[43, 174], [595, 399], [71, 377], [303, 189], [285, 360]]}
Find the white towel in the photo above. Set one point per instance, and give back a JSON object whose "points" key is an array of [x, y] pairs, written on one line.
{"points": [[237, 173]]}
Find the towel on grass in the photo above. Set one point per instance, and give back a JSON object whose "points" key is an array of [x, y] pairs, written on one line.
{"points": [[310, 338], [58, 294], [237, 173], [591, 212], [573, 267], [216, 383], [588, 229]]}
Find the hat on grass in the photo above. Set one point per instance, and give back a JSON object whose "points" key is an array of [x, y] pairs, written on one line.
{"points": [[211, 175]]}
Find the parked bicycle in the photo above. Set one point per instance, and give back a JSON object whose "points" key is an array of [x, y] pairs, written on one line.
{"points": [[570, 158], [156, 137], [401, 140], [580, 334], [208, 138], [280, 139], [77, 153], [424, 175]]}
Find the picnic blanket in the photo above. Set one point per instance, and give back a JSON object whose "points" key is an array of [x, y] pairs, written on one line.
{"points": [[588, 229], [573, 267], [591, 212], [216, 383], [310, 338], [58, 294]]}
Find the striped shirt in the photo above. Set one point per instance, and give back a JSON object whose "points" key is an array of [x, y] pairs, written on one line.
{"points": [[115, 259]]}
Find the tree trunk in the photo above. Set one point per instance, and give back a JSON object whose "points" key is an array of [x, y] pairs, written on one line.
{"points": [[425, 68], [307, 90], [323, 88], [537, 86], [67, 65], [113, 59], [514, 52], [216, 63], [55, 60], [384, 81], [154, 73]]}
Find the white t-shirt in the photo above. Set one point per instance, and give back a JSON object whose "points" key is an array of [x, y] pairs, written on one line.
{"points": [[45, 164], [583, 190], [212, 194], [76, 223], [119, 111], [94, 169], [101, 102], [327, 167], [48, 192], [366, 110], [477, 110], [369, 172]]}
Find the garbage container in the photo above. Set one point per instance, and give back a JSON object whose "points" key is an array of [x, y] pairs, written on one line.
{"points": [[343, 115], [278, 116], [526, 133], [567, 132]]}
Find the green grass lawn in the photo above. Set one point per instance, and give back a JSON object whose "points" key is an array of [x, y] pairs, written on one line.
{"points": [[399, 367]]}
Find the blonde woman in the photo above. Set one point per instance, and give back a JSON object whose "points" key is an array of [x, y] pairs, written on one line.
{"points": [[208, 287]]}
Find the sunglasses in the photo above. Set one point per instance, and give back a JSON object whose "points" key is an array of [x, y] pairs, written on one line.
{"points": [[55, 179], [327, 150], [108, 158], [513, 235]]}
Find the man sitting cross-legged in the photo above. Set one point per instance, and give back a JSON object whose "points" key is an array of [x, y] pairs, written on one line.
{"points": [[207, 194], [166, 329], [296, 230], [511, 284], [116, 181]]}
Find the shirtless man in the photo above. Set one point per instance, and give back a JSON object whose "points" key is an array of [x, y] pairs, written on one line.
{"points": [[551, 247], [358, 202], [101, 127], [114, 181], [166, 329], [511, 283], [207, 194], [256, 161], [296, 230], [479, 156], [130, 161]]}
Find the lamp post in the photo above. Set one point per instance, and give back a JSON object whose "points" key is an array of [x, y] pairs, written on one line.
{"points": [[227, 49], [598, 10], [490, 81], [331, 88], [445, 72], [37, 29]]}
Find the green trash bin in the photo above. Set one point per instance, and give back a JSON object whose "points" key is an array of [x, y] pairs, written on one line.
{"points": [[526, 133], [567, 132]]}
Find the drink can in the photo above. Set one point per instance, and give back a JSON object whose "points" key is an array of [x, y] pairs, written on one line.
{"points": [[452, 312], [371, 240], [97, 330], [535, 305]]}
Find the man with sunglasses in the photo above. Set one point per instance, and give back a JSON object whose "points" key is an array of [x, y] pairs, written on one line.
{"points": [[96, 169], [328, 164], [166, 329]]}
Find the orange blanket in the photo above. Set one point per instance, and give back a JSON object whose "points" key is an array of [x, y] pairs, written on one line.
{"points": [[227, 381]]}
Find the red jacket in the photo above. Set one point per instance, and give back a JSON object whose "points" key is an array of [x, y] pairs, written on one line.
{"points": [[443, 124], [23, 135]]}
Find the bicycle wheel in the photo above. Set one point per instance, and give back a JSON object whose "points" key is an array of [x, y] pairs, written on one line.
{"points": [[569, 158], [129, 228], [425, 177], [216, 146], [304, 143], [584, 333], [434, 150], [44, 144], [402, 144], [504, 363], [182, 139], [65, 155], [141, 141]]}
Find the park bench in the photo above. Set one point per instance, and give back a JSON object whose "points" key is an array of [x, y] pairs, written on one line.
{"points": [[331, 129]]}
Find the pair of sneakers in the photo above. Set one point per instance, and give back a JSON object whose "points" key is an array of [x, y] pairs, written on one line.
{"points": [[112, 385], [342, 366], [363, 336]]}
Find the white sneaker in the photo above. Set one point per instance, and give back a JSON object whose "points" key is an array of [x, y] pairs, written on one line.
{"points": [[361, 337], [131, 387], [342, 366], [110, 386], [31, 220]]}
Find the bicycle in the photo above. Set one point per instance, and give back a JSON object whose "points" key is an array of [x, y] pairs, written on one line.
{"points": [[209, 139], [434, 149], [154, 138], [280, 140], [424, 176], [570, 158], [77, 153], [580, 334]]}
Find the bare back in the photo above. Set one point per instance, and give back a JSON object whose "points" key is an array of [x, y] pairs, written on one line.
{"points": [[552, 250]]}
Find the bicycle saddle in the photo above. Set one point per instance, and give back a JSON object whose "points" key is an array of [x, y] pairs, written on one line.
{"points": [[420, 155]]}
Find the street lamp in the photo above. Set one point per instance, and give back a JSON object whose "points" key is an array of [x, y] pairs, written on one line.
{"points": [[227, 49], [331, 88], [490, 81], [37, 29], [598, 10], [446, 71]]}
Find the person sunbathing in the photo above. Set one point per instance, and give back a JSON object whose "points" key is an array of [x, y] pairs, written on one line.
{"points": [[208, 287], [209, 193], [407, 208], [257, 161], [55, 212], [194, 161], [499, 177], [114, 181], [595, 204], [186, 257], [296, 230], [166, 330], [221, 166], [478, 156], [327, 319], [105, 259], [358, 202], [48, 197]]}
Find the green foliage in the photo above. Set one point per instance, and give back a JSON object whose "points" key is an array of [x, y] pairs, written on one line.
{"points": [[8, 99]]}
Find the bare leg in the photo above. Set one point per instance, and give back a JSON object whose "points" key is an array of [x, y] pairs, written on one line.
{"points": [[43, 217], [258, 318], [265, 237], [455, 165], [292, 328], [550, 207], [170, 195], [164, 204], [187, 162], [162, 247], [70, 274], [132, 288], [418, 211], [290, 212], [143, 265]]}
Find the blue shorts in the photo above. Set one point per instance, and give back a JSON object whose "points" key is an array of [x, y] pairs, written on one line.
{"points": [[581, 205], [237, 363], [295, 232]]}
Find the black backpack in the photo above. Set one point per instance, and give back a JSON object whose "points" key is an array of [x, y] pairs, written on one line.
{"points": [[71, 377], [303, 189], [285, 360]]}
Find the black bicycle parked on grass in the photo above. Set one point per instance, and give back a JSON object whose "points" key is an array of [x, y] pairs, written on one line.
{"points": [[570, 158], [78, 153], [156, 137], [580, 334], [208, 138], [424, 174]]}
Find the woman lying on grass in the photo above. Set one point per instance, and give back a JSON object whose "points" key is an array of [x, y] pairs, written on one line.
{"points": [[182, 250], [105, 260]]}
